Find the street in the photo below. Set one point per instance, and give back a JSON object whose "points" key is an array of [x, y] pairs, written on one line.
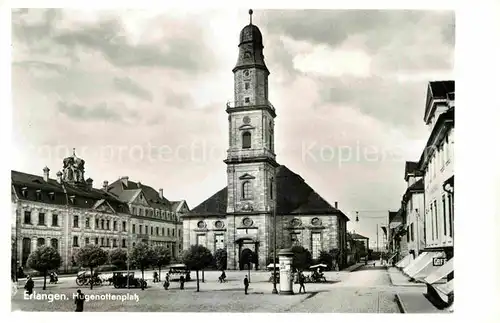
{"points": [[366, 290]]}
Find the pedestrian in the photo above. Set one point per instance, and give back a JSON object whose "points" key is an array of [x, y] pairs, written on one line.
{"points": [[29, 285], [79, 299], [181, 280], [155, 277], [166, 284], [245, 282], [302, 279]]}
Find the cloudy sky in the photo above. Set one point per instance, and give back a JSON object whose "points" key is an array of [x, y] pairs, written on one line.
{"points": [[143, 93]]}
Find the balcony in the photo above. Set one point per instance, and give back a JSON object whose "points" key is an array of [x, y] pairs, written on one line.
{"points": [[244, 105]]}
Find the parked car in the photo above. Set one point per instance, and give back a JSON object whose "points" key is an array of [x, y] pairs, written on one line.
{"points": [[121, 280]]}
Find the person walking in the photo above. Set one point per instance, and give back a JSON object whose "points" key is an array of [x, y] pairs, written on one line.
{"points": [[79, 299], [245, 282], [155, 277], [302, 280], [181, 280], [29, 285], [166, 284]]}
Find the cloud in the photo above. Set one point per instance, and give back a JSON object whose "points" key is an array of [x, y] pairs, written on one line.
{"points": [[125, 84], [100, 112]]}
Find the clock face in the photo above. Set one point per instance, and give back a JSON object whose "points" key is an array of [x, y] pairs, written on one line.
{"points": [[246, 72], [246, 119]]}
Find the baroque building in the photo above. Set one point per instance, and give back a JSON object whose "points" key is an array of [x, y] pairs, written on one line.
{"points": [[153, 219], [240, 217], [66, 213]]}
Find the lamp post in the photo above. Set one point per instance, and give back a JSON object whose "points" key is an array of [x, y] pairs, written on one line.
{"points": [[275, 290]]}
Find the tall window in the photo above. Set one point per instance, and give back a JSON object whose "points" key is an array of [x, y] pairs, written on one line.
{"points": [[407, 236], [271, 187], [316, 244], [247, 140], [54, 243], [27, 217], [432, 221], [247, 85], [87, 241], [133, 228], [102, 224], [157, 231], [40, 242], [411, 232], [96, 241], [87, 222], [443, 201], [151, 230], [219, 241], [75, 241], [41, 218], [162, 231], [146, 229], [124, 226], [140, 228], [179, 232], [436, 219], [102, 242], [201, 240], [54, 220], [107, 224], [247, 190], [168, 232], [114, 225], [26, 250], [133, 210], [96, 224], [124, 243], [114, 243], [75, 221], [450, 213]]}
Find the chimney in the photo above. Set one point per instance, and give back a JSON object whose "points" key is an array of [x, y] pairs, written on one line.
{"points": [[139, 184], [161, 193], [125, 180], [336, 205], [59, 177], [105, 186], [89, 181], [46, 171]]}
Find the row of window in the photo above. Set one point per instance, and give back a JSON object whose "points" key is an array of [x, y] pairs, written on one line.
{"points": [[104, 242], [441, 156], [446, 211], [41, 219], [153, 213], [156, 231]]}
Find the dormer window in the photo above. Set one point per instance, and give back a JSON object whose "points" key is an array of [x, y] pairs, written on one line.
{"points": [[72, 199], [38, 195], [52, 196], [24, 192]]}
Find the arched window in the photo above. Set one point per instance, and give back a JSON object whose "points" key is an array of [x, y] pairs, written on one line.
{"points": [[246, 189], [40, 242], [54, 243], [247, 140], [271, 182]]}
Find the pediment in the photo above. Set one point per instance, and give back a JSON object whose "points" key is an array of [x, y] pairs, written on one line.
{"points": [[246, 127], [140, 200], [103, 206], [246, 176]]}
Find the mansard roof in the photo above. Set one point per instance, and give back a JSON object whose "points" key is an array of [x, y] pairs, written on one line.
{"points": [[51, 192], [129, 193], [294, 197]]}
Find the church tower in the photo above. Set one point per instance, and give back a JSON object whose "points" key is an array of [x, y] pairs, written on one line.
{"points": [[251, 160]]}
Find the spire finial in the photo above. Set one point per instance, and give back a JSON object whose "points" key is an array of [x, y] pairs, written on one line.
{"points": [[250, 12], [74, 152]]}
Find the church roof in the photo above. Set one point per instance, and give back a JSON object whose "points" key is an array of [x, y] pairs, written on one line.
{"points": [[51, 192], [294, 196], [129, 192]]}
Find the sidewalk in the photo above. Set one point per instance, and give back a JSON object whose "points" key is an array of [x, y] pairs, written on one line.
{"points": [[354, 267], [398, 278], [413, 302]]}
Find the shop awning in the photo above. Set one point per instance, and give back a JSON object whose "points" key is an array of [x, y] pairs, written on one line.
{"points": [[405, 261], [440, 272], [423, 265]]}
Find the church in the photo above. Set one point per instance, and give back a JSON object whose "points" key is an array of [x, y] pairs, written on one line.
{"points": [[262, 199]]}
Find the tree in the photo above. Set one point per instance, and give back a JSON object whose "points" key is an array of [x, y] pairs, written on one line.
{"points": [[43, 259], [221, 259], [326, 258], [161, 257], [302, 258], [91, 256], [118, 257], [142, 256], [197, 258]]}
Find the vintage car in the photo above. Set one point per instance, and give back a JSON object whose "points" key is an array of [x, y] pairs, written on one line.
{"points": [[176, 271], [122, 278]]}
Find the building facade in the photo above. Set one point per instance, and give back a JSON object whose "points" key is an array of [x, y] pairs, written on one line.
{"points": [[413, 205], [153, 219], [66, 213], [437, 166], [262, 199]]}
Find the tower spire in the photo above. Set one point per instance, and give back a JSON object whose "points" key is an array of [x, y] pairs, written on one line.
{"points": [[74, 152], [250, 12]]}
